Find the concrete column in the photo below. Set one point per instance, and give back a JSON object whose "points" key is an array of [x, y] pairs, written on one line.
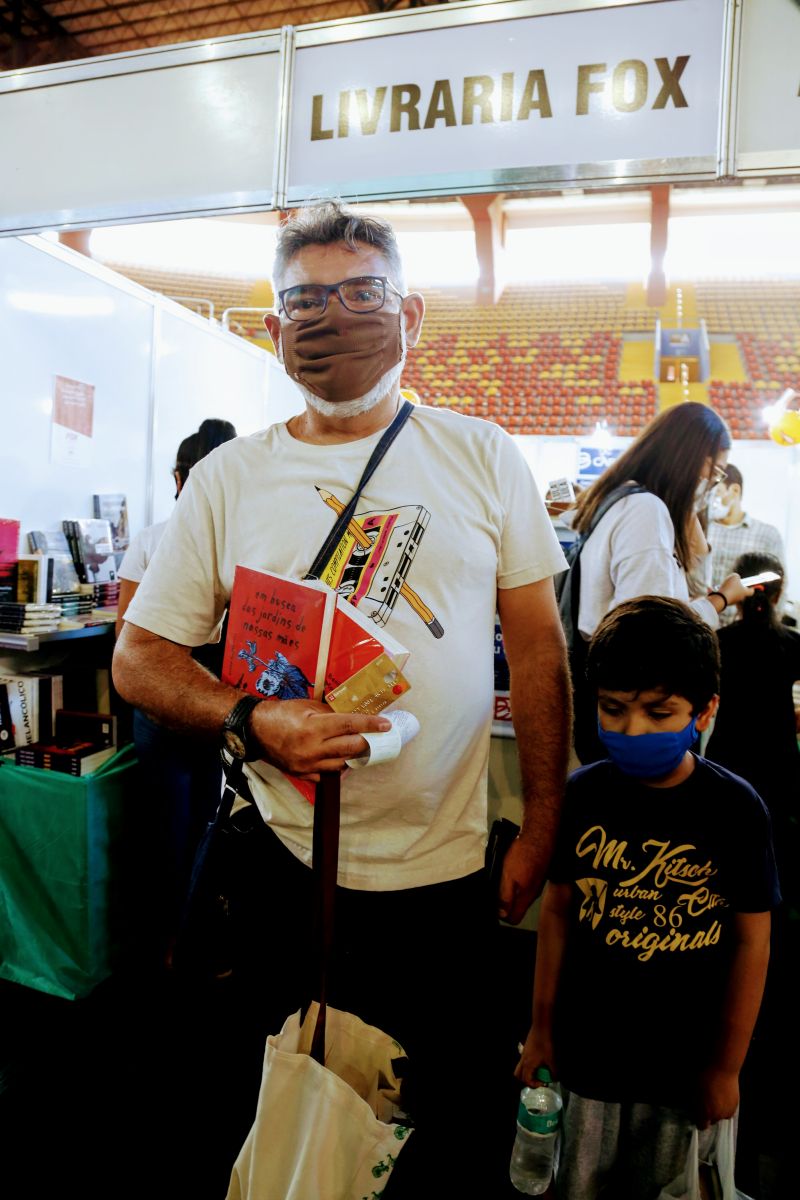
{"points": [[659, 228], [76, 239], [488, 219]]}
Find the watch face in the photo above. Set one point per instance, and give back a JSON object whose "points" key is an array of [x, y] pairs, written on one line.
{"points": [[234, 744]]}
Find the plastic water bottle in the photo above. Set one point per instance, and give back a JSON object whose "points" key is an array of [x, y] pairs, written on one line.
{"points": [[535, 1155]]}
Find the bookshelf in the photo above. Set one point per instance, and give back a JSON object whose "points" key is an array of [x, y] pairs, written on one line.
{"points": [[18, 641]]}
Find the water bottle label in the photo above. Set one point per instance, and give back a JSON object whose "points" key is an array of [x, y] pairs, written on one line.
{"points": [[538, 1122]]}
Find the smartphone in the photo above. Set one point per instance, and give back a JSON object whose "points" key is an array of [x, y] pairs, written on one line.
{"points": [[561, 491], [764, 577]]}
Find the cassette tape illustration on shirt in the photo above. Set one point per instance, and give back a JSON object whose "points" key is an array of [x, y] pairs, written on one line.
{"points": [[371, 564]]}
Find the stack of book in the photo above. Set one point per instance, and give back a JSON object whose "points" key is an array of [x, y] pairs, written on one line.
{"points": [[106, 597], [29, 619], [82, 742], [76, 607], [292, 639]]}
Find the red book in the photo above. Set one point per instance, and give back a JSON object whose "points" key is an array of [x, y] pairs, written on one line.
{"points": [[294, 640], [277, 640], [9, 540]]}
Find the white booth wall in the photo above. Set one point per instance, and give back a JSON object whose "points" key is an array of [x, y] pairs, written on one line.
{"points": [[157, 370]]}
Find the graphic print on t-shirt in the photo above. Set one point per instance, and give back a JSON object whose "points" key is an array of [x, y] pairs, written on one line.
{"points": [[657, 896], [373, 558], [592, 908]]}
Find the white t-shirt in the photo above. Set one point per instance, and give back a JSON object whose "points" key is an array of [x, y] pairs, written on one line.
{"points": [[141, 549], [478, 523], [632, 553]]}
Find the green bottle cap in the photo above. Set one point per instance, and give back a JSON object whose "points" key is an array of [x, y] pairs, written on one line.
{"points": [[543, 1075]]}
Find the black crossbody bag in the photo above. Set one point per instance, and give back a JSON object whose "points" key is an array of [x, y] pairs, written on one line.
{"points": [[203, 948]]}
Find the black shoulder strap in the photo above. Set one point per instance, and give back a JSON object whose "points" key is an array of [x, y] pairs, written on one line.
{"points": [[325, 853], [619, 493], [347, 514]]}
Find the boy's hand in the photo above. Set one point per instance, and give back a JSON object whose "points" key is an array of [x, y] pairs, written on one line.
{"points": [[537, 1052], [719, 1096]]}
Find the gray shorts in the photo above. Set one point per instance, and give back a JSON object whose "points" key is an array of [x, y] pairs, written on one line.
{"points": [[622, 1151]]}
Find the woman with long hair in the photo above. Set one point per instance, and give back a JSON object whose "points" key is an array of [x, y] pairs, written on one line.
{"points": [[647, 542]]}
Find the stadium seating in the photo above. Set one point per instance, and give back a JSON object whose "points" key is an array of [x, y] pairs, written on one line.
{"points": [[546, 358]]}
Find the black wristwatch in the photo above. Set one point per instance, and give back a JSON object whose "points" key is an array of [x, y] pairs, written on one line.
{"points": [[235, 737]]}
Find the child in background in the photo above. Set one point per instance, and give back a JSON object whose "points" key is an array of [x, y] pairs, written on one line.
{"points": [[654, 928], [755, 733]]}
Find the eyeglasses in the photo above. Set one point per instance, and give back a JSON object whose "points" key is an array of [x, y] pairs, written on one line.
{"points": [[362, 294], [718, 475]]}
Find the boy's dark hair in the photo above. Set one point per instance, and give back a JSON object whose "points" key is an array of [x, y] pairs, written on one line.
{"points": [[654, 643]]}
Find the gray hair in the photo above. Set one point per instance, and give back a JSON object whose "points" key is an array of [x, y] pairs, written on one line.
{"points": [[327, 222]]}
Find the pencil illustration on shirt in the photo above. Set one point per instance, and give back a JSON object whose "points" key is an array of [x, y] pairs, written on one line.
{"points": [[372, 560]]}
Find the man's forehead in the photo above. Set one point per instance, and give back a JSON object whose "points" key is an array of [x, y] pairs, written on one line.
{"points": [[329, 264]]}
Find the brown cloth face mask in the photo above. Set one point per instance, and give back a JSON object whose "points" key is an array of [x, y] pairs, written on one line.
{"points": [[342, 355]]}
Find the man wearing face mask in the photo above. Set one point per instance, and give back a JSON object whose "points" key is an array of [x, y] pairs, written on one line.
{"points": [[733, 532], [452, 530]]}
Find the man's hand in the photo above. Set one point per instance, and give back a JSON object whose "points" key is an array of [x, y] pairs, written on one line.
{"points": [[718, 1096], [522, 880], [303, 737]]}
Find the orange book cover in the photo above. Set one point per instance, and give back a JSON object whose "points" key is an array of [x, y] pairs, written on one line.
{"points": [[364, 668]]}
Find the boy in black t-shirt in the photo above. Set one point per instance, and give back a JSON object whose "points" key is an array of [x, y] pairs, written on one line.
{"points": [[654, 927]]}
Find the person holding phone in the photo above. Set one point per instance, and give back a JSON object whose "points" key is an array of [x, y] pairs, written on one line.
{"points": [[733, 532], [647, 543], [755, 734]]}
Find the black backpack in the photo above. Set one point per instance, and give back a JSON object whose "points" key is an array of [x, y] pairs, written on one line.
{"points": [[568, 595]]}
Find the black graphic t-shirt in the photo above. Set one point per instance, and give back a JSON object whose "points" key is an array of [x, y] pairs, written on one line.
{"points": [[658, 875]]}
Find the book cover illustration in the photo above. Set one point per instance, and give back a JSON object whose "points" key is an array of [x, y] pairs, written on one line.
{"points": [[53, 543], [92, 549], [113, 507], [35, 574]]}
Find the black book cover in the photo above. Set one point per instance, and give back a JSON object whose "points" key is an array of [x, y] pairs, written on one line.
{"points": [[6, 725]]}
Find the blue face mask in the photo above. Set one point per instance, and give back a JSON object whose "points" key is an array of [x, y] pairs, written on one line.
{"points": [[648, 755]]}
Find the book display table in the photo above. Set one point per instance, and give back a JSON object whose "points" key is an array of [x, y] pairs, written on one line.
{"points": [[63, 902]]}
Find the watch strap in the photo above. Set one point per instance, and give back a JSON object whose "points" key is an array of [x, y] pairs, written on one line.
{"points": [[236, 720]]}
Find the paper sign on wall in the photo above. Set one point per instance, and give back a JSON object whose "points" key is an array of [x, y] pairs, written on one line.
{"points": [[73, 415]]}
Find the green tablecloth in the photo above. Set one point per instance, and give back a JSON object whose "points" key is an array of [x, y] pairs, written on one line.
{"points": [[62, 903]]}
